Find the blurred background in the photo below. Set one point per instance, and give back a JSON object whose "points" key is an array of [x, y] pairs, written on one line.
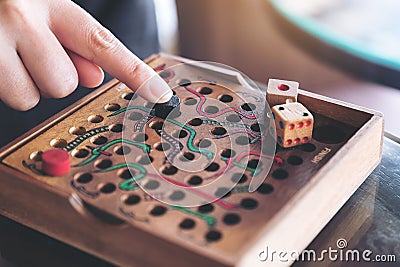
{"points": [[264, 41]]}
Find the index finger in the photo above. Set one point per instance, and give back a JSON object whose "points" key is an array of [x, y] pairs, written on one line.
{"points": [[81, 33]]}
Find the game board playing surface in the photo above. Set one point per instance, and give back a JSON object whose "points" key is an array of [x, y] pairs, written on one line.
{"points": [[185, 179]]}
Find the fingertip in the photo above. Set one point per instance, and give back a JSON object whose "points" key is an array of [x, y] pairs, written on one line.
{"points": [[91, 78], [24, 103], [29, 105], [64, 88], [90, 75], [25, 106], [156, 90]]}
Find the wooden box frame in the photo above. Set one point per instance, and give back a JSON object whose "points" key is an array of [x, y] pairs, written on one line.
{"points": [[54, 212]]}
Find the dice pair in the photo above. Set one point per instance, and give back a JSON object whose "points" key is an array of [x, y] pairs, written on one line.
{"points": [[293, 122]]}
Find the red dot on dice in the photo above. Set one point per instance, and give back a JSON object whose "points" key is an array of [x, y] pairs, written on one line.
{"points": [[307, 123], [291, 126], [55, 162], [288, 142], [304, 140], [296, 141], [283, 87], [300, 124]]}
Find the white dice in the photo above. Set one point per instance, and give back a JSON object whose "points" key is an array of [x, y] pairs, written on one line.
{"points": [[281, 92]]}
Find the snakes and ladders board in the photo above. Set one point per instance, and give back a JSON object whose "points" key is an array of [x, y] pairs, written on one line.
{"points": [[206, 186]]}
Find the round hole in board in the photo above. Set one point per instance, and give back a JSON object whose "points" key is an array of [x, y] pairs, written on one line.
{"points": [[242, 140], [295, 160], [125, 174], [103, 163], [249, 203], [223, 192], [144, 159], [254, 163], [329, 134], [218, 131], [187, 224], [80, 153], [213, 236], [225, 98], [135, 116], [205, 90], [265, 189], [280, 174], [107, 188], [122, 150], [248, 106], [206, 208], [131, 200], [195, 180], [175, 113], [149, 105], [36, 156], [117, 128], [83, 178], [77, 130], [239, 178], [255, 127], [158, 210], [189, 101], [58, 143], [211, 109], [177, 195], [95, 118], [196, 122], [128, 96], [98, 140], [228, 153], [233, 118], [184, 82], [169, 170], [307, 147], [112, 107], [179, 133], [152, 185], [187, 156], [212, 83], [213, 167], [140, 137], [231, 219], [281, 108], [162, 146], [203, 143]]}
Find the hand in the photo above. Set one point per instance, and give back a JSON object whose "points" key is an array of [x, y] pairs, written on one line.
{"points": [[48, 46]]}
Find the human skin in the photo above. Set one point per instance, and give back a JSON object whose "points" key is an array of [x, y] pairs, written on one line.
{"points": [[48, 47]]}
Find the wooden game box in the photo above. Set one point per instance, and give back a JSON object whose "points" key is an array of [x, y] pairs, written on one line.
{"points": [[100, 208]]}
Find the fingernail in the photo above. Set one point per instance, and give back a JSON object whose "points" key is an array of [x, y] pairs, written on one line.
{"points": [[157, 91]]}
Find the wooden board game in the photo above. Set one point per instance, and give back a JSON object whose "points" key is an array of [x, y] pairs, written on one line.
{"points": [[135, 195]]}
